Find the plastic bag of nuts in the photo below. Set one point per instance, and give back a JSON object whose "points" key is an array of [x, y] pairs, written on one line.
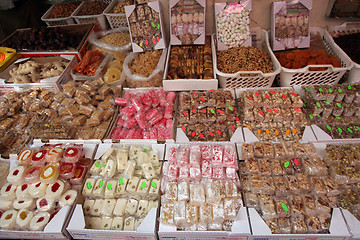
{"points": [[144, 69], [233, 24]]}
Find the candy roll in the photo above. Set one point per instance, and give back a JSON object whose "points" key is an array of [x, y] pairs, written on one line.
{"points": [[121, 101], [33, 174], [66, 170], [128, 111], [68, 198], [168, 111], [137, 104], [141, 120], [72, 154], [25, 156], [49, 174], [6, 204], [28, 204], [55, 190], [39, 221], [38, 158], [146, 99], [84, 162], [54, 154], [22, 192], [130, 123], [8, 219], [37, 189], [16, 175], [8, 191], [24, 217], [154, 99], [45, 204], [170, 97]]}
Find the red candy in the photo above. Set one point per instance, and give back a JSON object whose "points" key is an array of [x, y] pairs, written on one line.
{"points": [[39, 157], [137, 104], [67, 170], [170, 97], [121, 101]]}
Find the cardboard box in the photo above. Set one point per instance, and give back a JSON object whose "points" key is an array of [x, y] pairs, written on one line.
{"points": [[187, 84], [137, 42], [353, 224], [260, 230], [146, 230], [225, 9], [80, 29], [52, 84], [290, 24], [55, 229], [179, 18]]}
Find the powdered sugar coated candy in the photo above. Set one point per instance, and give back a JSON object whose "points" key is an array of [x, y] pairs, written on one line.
{"points": [[170, 97], [183, 156], [25, 156], [230, 173], [168, 110], [195, 174], [184, 173], [172, 172], [229, 156], [137, 104], [172, 154], [206, 152], [206, 169], [218, 173], [39, 158], [54, 154], [195, 155], [121, 101], [217, 158], [72, 154]]}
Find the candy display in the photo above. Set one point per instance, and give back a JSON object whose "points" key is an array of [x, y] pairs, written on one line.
{"points": [[233, 24], [208, 116], [123, 187], [63, 10], [145, 26], [145, 114], [274, 114], [187, 22], [334, 109], [301, 58], [32, 71], [194, 62], [44, 114], [200, 187], [34, 192], [243, 59], [290, 24], [289, 185]]}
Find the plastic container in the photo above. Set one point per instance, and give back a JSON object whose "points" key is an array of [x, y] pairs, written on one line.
{"points": [[249, 79], [57, 21], [99, 19], [115, 20], [353, 75], [332, 75]]}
